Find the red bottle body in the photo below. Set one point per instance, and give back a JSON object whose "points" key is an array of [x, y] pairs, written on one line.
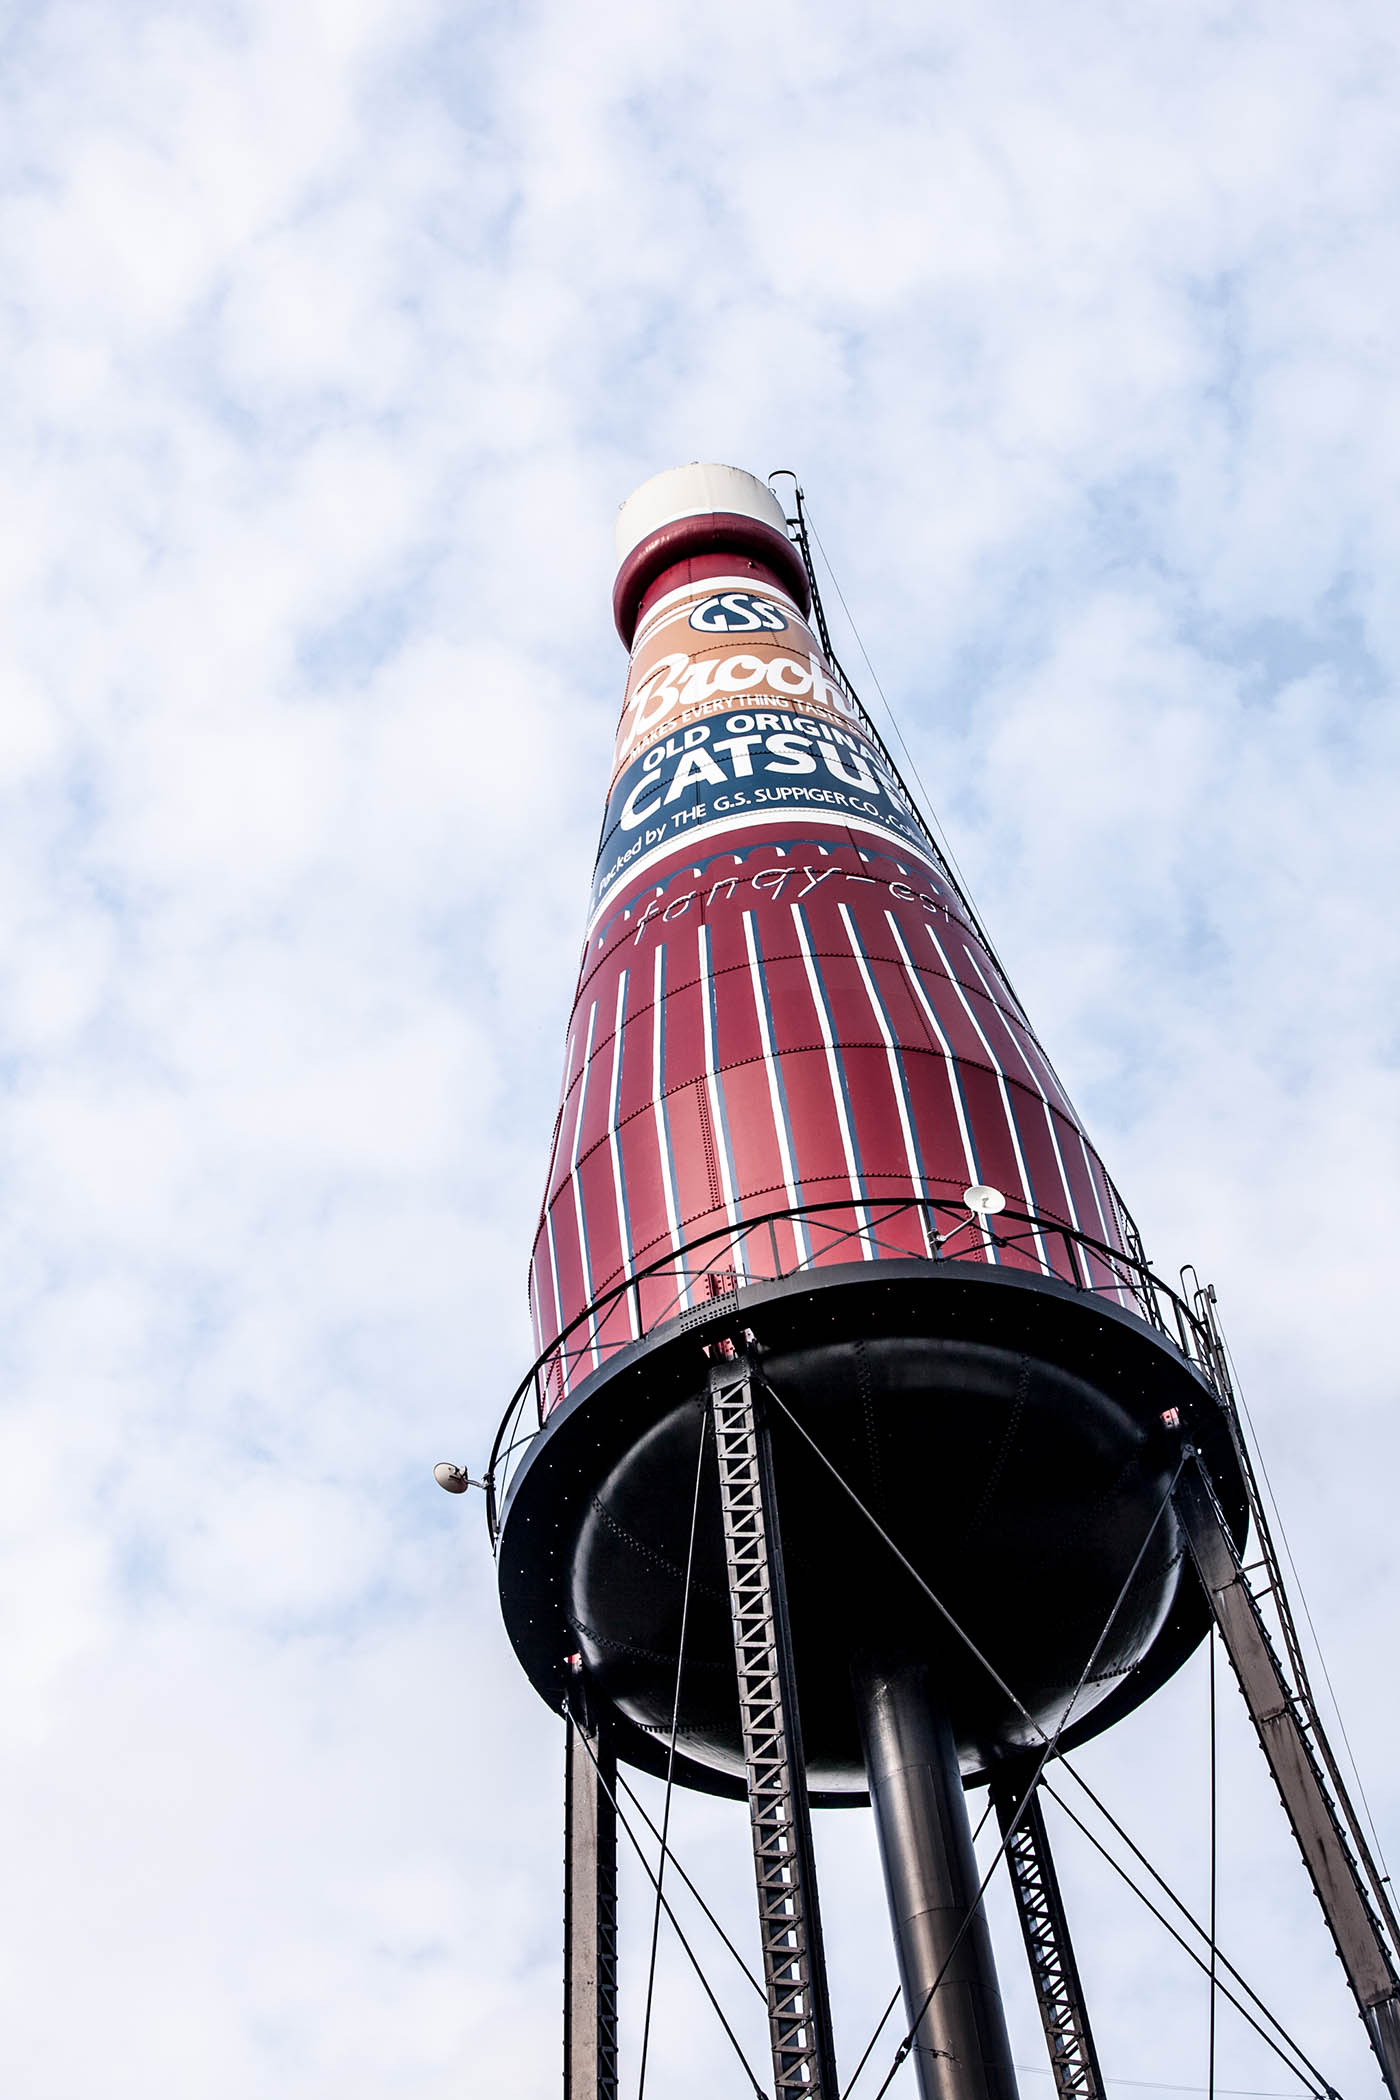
{"points": [[789, 1041]]}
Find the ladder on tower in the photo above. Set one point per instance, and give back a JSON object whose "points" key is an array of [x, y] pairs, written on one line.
{"points": [[1344, 1874]]}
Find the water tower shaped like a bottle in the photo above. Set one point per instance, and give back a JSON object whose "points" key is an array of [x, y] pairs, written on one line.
{"points": [[863, 1458]]}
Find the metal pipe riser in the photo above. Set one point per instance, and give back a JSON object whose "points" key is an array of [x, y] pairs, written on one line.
{"points": [[962, 2050]]}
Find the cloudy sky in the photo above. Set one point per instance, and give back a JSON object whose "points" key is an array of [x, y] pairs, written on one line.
{"points": [[334, 332]]}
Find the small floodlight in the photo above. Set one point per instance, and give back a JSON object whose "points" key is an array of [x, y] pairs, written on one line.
{"points": [[451, 1477], [986, 1200]]}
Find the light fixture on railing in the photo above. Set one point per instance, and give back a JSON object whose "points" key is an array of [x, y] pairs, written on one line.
{"points": [[453, 1478]]}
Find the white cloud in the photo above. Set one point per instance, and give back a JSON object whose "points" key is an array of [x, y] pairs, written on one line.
{"points": [[332, 336]]}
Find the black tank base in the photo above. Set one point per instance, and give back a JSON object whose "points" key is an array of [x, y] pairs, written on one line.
{"points": [[1005, 1430]]}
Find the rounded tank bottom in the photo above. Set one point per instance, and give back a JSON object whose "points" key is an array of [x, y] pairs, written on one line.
{"points": [[1029, 1493], [1021, 1495]]}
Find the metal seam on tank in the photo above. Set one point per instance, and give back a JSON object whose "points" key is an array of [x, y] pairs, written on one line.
{"points": [[1013, 1423], [553, 1158], [1016, 1028], [624, 1221], [1060, 1687], [1013, 1128], [829, 1206], [836, 1074], [865, 1386], [1048, 1086], [554, 1273], [715, 1085], [894, 1049], [568, 1086], [1132, 1462], [652, 1554], [585, 1072], [1108, 1238], [601, 949], [808, 1049], [711, 914], [1041, 1205], [708, 1147], [777, 1090], [872, 847], [617, 1646], [951, 1065], [658, 1102]]}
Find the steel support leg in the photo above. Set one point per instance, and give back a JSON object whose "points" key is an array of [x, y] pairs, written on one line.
{"points": [[794, 1967], [1283, 1730], [590, 1915], [1074, 2060], [911, 1763]]}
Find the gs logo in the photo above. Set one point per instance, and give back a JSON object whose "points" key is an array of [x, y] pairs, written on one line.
{"points": [[737, 612]]}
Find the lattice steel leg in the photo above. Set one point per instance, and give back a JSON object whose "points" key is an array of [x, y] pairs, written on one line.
{"points": [[590, 1914], [794, 1969], [1059, 1994]]}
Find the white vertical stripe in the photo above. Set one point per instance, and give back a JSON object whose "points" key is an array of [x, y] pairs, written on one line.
{"points": [[1122, 1296], [774, 1095], [663, 1135], [536, 1322], [549, 1189], [1045, 1106], [1093, 1190], [1047, 1079], [1110, 1239], [833, 1073], [877, 1008], [995, 1062], [563, 1109], [718, 1121], [583, 1078], [554, 1280], [624, 1237], [954, 1087], [1001, 978], [916, 986], [584, 1263]]}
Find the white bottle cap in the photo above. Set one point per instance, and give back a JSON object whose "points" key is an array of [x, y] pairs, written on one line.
{"points": [[691, 492]]}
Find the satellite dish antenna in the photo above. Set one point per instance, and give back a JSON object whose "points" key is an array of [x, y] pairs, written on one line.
{"points": [[451, 1477], [986, 1200]]}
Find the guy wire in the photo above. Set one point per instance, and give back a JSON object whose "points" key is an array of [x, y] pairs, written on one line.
{"points": [[671, 1759]]}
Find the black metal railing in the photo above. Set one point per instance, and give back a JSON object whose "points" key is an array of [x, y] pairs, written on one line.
{"points": [[694, 1279]]}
